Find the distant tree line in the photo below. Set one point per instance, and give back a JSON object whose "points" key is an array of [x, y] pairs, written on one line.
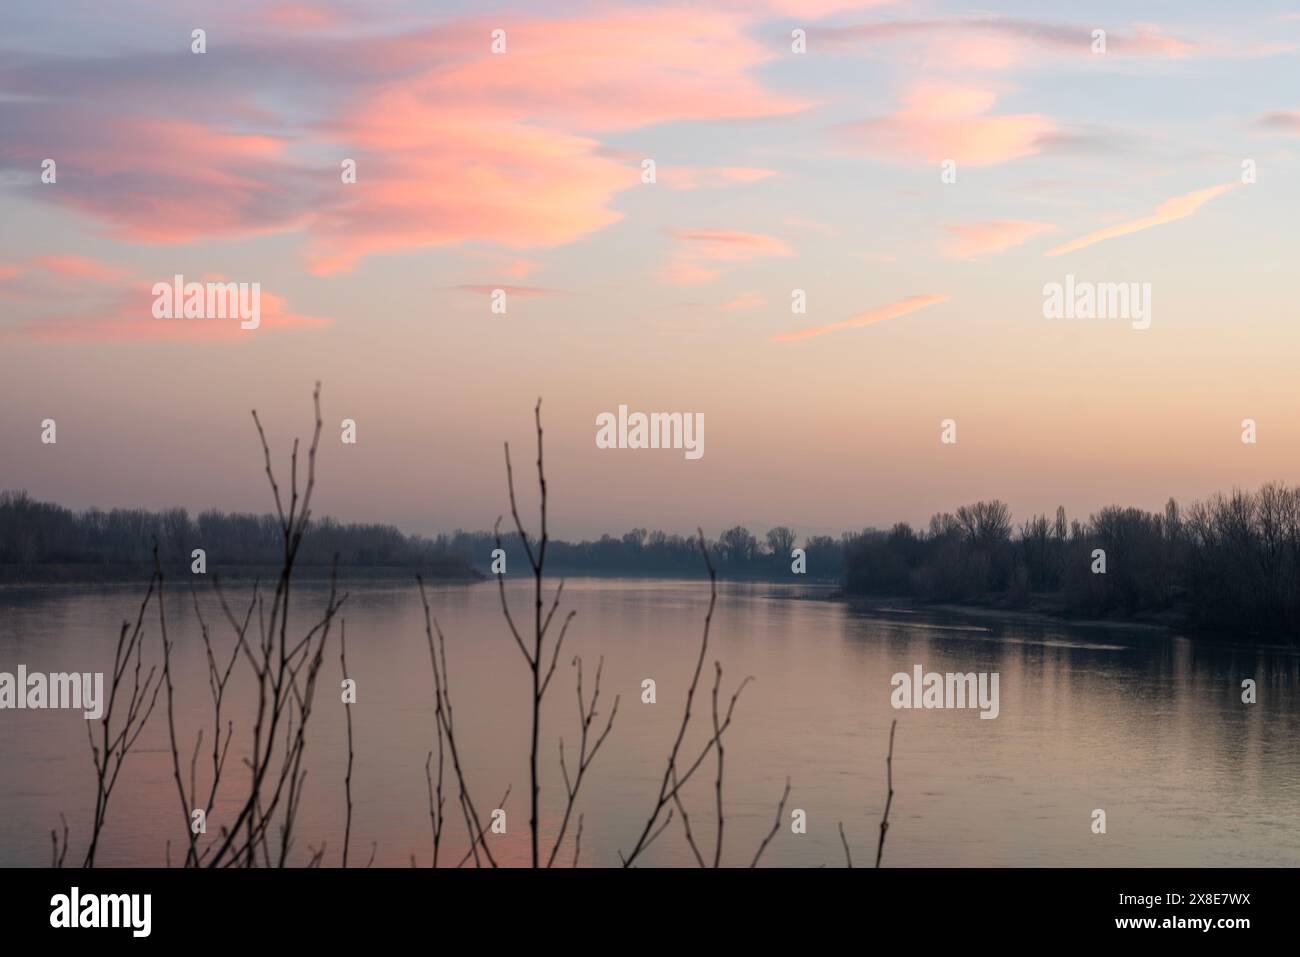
{"points": [[40, 533], [1231, 562], [36, 533], [736, 553]]}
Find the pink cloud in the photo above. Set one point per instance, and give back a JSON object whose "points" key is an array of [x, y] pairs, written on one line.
{"points": [[517, 186], [999, 43], [940, 122], [524, 291], [160, 180], [486, 148], [699, 250], [1149, 40], [891, 311], [1180, 207], [453, 144], [680, 272], [1285, 122], [990, 236], [700, 177], [619, 70], [115, 307], [299, 16], [814, 8], [81, 267], [130, 319], [749, 300]]}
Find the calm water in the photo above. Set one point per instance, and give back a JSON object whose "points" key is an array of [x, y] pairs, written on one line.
{"points": [[1147, 726]]}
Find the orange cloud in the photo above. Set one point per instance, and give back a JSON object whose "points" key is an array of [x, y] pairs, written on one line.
{"points": [[892, 311], [1180, 207], [940, 122], [990, 236]]}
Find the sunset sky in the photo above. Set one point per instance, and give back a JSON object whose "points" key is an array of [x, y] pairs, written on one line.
{"points": [[776, 171]]}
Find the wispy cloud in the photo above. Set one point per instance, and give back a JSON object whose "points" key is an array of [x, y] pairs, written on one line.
{"points": [[525, 292], [749, 300], [990, 236], [701, 177], [1000, 43], [699, 251], [941, 121], [111, 305], [891, 311], [1180, 207], [1286, 122]]}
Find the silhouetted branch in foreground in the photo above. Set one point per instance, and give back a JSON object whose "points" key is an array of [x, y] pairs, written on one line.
{"points": [[536, 656], [60, 851], [285, 673], [445, 723], [110, 754], [586, 715], [677, 773], [889, 800], [259, 828], [347, 710], [481, 838]]}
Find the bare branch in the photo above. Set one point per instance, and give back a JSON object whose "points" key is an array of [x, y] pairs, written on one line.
{"points": [[776, 824], [889, 799]]}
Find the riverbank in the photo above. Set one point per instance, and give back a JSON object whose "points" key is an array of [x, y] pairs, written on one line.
{"points": [[1170, 622]]}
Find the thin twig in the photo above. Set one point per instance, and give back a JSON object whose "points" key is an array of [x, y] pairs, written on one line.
{"points": [[889, 799], [776, 824], [347, 710]]}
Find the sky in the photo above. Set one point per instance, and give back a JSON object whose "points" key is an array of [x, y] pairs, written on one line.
{"points": [[916, 176]]}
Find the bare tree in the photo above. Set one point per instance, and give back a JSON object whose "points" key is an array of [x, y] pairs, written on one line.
{"points": [[537, 657], [680, 769], [285, 672], [780, 541], [114, 746], [445, 722]]}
